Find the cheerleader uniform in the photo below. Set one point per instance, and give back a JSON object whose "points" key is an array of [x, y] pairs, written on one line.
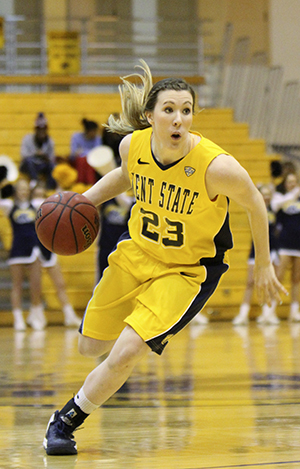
{"points": [[24, 249], [273, 242], [288, 220]]}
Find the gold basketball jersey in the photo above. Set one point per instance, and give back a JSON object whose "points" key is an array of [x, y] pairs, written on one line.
{"points": [[173, 218]]}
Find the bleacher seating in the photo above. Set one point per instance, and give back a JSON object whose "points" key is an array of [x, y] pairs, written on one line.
{"points": [[64, 113]]}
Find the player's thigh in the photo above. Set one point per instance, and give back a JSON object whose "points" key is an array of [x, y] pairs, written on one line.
{"points": [[116, 283], [113, 300]]}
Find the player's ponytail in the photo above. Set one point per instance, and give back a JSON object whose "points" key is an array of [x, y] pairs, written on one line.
{"points": [[133, 100]]}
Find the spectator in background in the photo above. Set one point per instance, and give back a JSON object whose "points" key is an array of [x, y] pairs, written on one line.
{"points": [[27, 255], [267, 315], [113, 140], [37, 153], [286, 204], [50, 263], [24, 256], [287, 167], [115, 212], [81, 144]]}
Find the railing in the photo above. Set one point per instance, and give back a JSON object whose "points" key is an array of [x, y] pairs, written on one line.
{"points": [[109, 47], [260, 97]]}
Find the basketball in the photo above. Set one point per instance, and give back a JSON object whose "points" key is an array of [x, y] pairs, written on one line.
{"points": [[67, 223]]}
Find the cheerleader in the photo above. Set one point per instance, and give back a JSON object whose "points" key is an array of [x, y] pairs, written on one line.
{"points": [[268, 315], [287, 207], [24, 256]]}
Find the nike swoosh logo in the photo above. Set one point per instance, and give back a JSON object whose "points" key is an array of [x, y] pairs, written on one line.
{"points": [[142, 162]]}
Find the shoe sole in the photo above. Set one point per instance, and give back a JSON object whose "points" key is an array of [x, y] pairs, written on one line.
{"points": [[58, 452], [54, 450]]}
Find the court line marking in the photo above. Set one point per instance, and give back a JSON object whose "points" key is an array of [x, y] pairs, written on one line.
{"points": [[260, 464]]}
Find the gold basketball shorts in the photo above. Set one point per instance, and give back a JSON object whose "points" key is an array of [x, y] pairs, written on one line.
{"points": [[157, 300]]}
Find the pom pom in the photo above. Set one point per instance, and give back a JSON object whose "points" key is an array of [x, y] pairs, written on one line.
{"points": [[65, 175], [7, 191], [80, 187], [3, 173]]}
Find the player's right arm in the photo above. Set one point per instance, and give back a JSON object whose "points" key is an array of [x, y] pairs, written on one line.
{"points": [[113, 183]]}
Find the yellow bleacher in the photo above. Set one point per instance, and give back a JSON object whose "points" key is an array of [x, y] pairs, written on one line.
{"points": [[64, 113]]}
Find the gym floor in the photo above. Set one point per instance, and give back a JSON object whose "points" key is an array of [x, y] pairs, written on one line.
{"points": [[219, 397]]}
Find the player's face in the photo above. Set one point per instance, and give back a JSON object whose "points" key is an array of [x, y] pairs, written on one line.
{"points": [[172, 117]]}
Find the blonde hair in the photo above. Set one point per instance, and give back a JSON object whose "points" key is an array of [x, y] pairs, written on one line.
{"points": [[136, 100], [133, 100]]}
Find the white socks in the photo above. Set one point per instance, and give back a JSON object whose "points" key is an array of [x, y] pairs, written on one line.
{"points": [[19, 323], [70, 317], [82, 401], [36, 318], [242, 317], [294, 312], [268, 315]]}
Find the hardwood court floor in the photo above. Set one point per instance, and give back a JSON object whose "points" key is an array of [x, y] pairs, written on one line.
{"points": [[219, 397]]}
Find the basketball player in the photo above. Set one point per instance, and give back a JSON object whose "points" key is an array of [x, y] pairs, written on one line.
{"points": [[170, 262]]}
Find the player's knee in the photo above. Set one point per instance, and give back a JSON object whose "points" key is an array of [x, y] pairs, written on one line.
{"points": [[127, 356], [92, 348]]}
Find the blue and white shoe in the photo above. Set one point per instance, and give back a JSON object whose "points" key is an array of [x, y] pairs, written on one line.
{"points": [[59, 439]]}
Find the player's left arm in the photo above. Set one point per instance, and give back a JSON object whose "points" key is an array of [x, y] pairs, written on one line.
{"points": [[227, 177]]}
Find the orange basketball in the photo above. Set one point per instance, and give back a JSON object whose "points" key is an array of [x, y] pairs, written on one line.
{"points": [[67, 223]]}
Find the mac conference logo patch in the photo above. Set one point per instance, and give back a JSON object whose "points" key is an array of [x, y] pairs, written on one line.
{"points": [[189, 171]]}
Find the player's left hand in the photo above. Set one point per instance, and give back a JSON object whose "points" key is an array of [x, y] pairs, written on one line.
{"points": [[268, 287]]}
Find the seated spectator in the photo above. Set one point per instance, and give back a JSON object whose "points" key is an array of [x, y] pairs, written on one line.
{"points": [[81, 144], [112, 140], [37, 153]]}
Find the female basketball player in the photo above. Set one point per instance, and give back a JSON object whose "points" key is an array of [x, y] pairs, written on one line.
{"points": [[170, 262]]}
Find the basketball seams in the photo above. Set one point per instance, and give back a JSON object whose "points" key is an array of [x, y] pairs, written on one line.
{"points": [[61, 213], [50, 202], [73, 230], [56, 226], [68, 225], [83, 216]]}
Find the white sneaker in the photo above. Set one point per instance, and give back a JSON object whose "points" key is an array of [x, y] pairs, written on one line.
{"points": [[71, 318], [240, 320], [261, 319], [36, 318], [200, 319], [268, 315], [19, 323], [294, 316], [273, 320], [270, 318]]}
